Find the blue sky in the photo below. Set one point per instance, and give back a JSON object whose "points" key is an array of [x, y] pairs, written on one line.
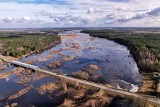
{"points": [[79, 13]]}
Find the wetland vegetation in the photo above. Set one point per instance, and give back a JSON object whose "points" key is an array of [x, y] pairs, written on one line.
{"points": [[144, 47]]}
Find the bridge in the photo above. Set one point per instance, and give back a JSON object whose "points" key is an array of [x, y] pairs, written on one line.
{"points": [[152, 100]]}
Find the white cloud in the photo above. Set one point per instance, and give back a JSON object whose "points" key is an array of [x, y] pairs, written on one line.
{"points": [[91, 10], [154, 12], [80, 13], [142, 15], [8, 19], [26, 18]]}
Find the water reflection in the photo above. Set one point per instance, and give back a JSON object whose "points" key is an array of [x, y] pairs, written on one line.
{"points": [[114, 60], [76, 52]]}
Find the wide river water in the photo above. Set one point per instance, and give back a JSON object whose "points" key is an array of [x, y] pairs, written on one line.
{"points": [[76, 52]]}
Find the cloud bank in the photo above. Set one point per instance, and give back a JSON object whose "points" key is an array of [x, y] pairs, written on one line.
{"points": [[76, 13]]}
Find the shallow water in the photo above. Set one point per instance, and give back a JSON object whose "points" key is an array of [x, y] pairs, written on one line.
{"points": [[117, 67], [114, 60]]}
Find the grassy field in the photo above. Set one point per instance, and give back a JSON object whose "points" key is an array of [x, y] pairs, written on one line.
{"points": [[17, 46]]}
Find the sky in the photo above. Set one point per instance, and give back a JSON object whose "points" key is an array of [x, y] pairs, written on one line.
{"points": [[79, 13]]}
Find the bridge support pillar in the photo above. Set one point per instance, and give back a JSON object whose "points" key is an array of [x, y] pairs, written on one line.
{"points": [[158, 88], [64, 84], [77, 84]]}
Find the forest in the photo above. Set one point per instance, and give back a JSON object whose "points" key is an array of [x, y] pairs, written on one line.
{"points": [[17, 46], [145, 47]]}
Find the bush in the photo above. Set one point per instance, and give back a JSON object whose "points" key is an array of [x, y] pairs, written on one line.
{"points": [[81, 75]]}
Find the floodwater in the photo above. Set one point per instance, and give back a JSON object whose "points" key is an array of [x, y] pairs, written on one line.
{"points": [[76, 52]]}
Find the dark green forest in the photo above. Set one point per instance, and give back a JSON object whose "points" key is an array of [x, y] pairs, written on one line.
{"points": [[17, 46], [145, 47]]}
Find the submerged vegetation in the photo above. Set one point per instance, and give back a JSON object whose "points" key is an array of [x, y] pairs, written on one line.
{"points": [[17, 46], [145, 47]]}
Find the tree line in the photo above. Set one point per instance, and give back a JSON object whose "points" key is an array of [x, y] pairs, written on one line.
{"points": [[17, 46], [145, 47]]}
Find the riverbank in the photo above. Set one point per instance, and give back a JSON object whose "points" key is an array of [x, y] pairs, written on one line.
{"points": [[145, 50]]}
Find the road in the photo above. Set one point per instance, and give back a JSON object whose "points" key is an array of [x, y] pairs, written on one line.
{"points": [[100, 86], [119, 92]]}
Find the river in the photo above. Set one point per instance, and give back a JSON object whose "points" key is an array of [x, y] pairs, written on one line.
{"points": [[77, 51]]}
